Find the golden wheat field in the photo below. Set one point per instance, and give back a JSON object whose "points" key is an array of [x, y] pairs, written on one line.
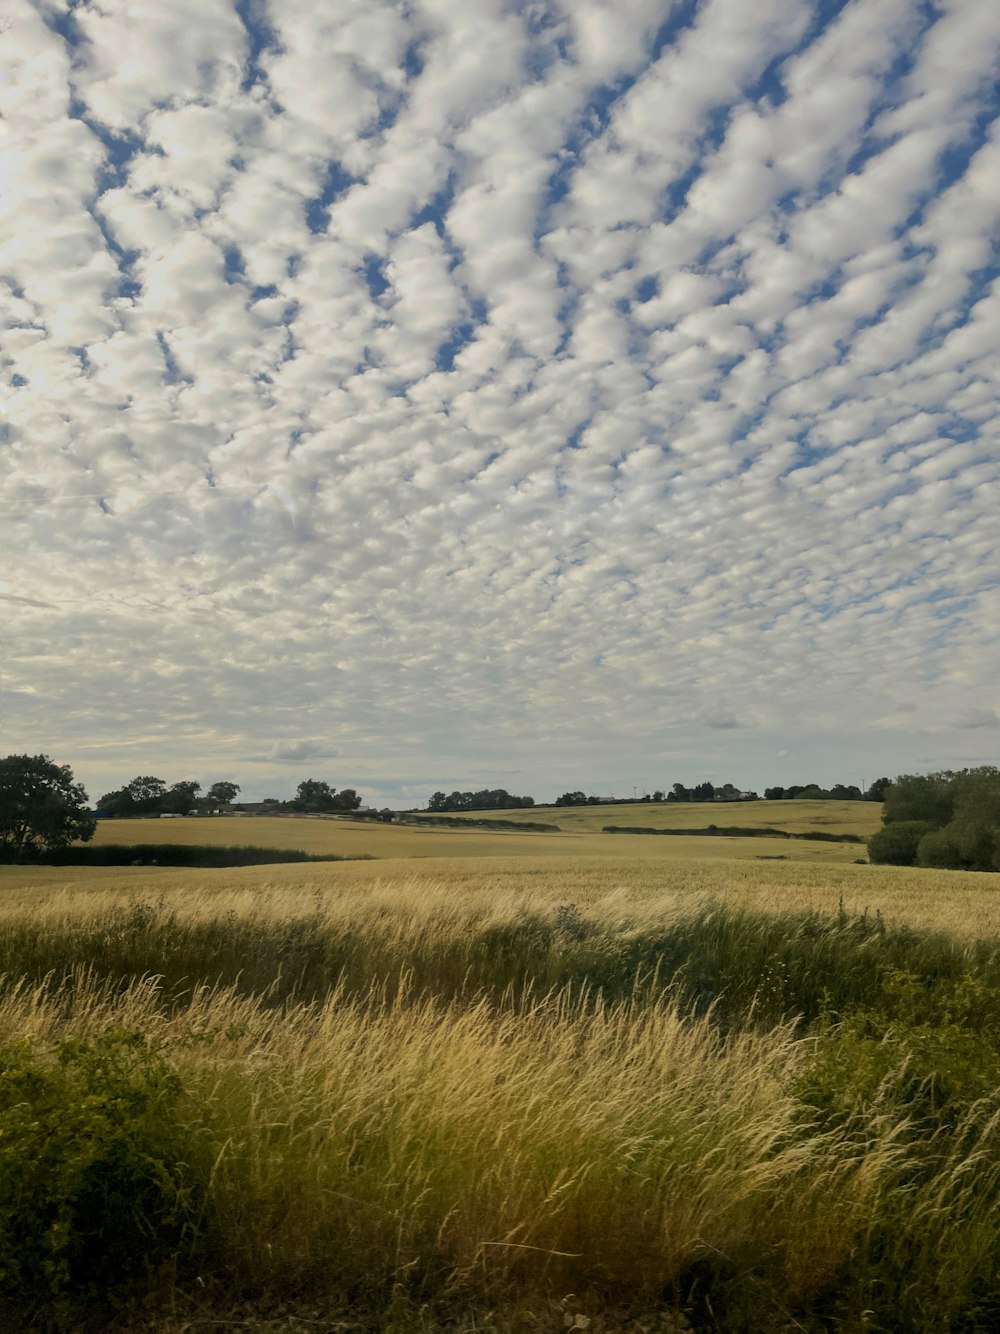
{"points": [[800, 816], [503, 1081], [579, 835], [621, 889]]}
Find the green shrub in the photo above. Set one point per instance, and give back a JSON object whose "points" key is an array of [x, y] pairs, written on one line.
{"points": [[179, 854], [896, 844], [939, 849], [96, 1188]]}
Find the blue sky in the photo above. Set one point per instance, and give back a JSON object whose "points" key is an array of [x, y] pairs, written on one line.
{"points": [[546, 395]]}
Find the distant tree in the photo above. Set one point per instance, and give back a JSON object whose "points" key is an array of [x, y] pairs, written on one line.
{"points": [[145, 794], [222, 794], [41, 807], [703, 792], [845, 792], [658, 795], [313, 794], [487, 799], [774, 793], [181, 797], [878, 789], [680, 793], [572, 799]]}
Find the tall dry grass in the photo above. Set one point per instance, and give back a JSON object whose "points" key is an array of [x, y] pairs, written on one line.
{"points": [[426, 1100]]}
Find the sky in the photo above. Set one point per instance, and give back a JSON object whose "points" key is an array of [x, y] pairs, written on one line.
{"points": [[549, 394]]}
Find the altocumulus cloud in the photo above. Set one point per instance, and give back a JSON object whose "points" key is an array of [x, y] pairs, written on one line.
{"points": [[570, 390]]}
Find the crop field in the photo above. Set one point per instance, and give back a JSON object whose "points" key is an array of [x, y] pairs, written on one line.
{"points": [[579, 838], [497, 1091], [829, 817]]}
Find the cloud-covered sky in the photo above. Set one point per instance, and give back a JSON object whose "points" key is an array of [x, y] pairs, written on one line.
{"points": [[541, 393]]}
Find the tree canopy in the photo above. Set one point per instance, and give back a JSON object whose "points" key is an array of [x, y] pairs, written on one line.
{"points": [[948, 820], [487, 799], [41, 807], [315, 796]]}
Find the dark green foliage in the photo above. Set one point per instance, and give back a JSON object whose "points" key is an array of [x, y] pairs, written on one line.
{"points": [[462, 822], [97, 1183], [960, 816], [313, 795], [41, 807], [939, 849], [487, 799], [896, 844], [221, 793], [735, 831], [179, 854], [926, 797]]}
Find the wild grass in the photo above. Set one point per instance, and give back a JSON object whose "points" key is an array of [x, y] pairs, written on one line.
{"points": [[432, 1102]]}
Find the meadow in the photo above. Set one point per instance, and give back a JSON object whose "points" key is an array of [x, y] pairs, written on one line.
{"points": [[492, 1090]]}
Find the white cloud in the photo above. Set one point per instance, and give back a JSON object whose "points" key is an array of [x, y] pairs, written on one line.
{"points": [[458, 387]]}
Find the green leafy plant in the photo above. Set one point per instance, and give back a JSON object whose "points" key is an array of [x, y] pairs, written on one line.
{"points": [[96, 1189]]}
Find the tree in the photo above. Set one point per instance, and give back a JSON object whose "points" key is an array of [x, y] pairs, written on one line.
{"points": [[896, 844], [878, 789], [313, 795], [41, 807], [927, 797], [346, 800], [959, 814], [181, 797], [221, 794]]}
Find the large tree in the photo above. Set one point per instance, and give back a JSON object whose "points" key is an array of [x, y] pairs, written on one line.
{"points": [[41, 807], [315, 795], [221, 794]]}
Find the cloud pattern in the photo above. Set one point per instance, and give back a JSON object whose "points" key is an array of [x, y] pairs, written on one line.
{"points": [[557, 393]]}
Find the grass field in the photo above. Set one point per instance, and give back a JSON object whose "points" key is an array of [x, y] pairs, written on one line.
{"points": [[659, 1090], [581, 837]]}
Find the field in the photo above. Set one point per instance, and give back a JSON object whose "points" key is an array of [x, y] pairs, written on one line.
{"points": [[830, 817], [579, 836], [504, 1082]]}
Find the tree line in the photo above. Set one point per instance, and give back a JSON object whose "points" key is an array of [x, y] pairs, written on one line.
{"points": [[729, 792], [488, 799], [150, 796]]}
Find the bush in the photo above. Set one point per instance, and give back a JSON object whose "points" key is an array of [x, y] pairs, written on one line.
{"points": [[896, 844], [939, 849], [95, 1186], [181, 854]]}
